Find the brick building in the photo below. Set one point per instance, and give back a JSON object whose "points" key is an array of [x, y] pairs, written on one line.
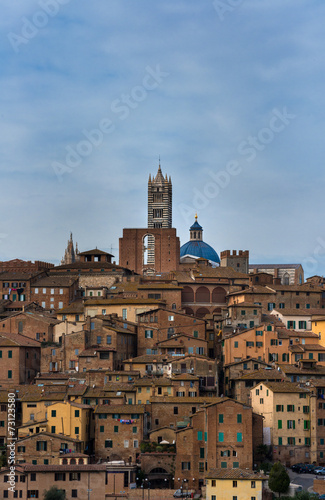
{"points": [[149, 251], [287, 425], [174, 412], [160, 324], [54, 292], [34, 325], [46, 448], [119, 431], [220, 435], [19, 359], [75, 480]]}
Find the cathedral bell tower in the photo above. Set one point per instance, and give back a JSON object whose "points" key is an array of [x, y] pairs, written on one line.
{"points": [[159, 201]]}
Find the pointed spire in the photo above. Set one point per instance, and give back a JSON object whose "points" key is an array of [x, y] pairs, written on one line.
{"points": [[149, 177]]}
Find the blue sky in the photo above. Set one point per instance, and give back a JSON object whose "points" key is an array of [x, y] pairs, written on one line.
{"points": [[229, 93]]}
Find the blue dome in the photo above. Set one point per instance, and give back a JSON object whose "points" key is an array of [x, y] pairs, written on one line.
{"points": [[200, 249]]}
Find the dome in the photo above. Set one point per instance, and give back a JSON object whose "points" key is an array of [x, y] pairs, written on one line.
{"points": [[200, 249], [196, 247]]}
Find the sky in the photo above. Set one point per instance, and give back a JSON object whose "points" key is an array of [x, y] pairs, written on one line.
{"points": [[228, 93]]}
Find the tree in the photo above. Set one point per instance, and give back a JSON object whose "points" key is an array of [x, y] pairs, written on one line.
{"points": [[279, 479], [54, 494]]}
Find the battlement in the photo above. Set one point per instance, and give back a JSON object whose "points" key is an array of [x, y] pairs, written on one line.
{"points": [[233, 253]]}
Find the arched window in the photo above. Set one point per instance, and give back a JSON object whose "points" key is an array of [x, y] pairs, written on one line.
{"points": [[20, 327], [219, 295], [187, 294], [202, 294], [73, 461], [81, 461], [201, 312]]}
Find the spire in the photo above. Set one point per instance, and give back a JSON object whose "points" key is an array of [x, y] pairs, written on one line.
{"points": [[149, 177]]}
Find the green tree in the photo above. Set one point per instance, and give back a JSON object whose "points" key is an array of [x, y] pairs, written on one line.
{"points": [[279, 479], [54, 494]]}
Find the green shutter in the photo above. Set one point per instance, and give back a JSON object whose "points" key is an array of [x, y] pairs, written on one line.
{"points": [[280, 441], [220, 418], [221, 437], [279, 424], [199, 435]]}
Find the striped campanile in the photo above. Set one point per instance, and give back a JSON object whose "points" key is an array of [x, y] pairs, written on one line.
{"points": [[159, 201], [159, 208]]}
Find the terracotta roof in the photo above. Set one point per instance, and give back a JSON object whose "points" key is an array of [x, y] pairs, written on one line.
{"points": [[60, 281], [296, 370], [286, 387], [143, 382], [179, 400], [95, 251], [16, 339], [76, 307], [19, 275], [262, 374], [235, 474], [150, 358], [63, 468], [184, 376], [45, 433], [256, 289], [244, 360], [120, 409], [119, 386], [108, 266], [122, 301]]}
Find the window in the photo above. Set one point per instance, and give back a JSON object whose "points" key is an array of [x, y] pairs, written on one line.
{"points": [[199, 436], [236, 344], [74, 493], [108, 443], [77, 413], [279, 408], [234, 484], [302, 325], [279, 424], [253, 484], [239, 437], [223, 465], [9, 373], [170, 318], [291, 424], [221, 437], [186, 465], [202, 453], [41, 446], [290, 407], [53, 413], [59, 476], [148, 334], [291, 441], [175, 410], [280, 441], [99, 339], [115, 428], [74, 476], [76, 430], [220, 418], [126, 443], [134, 430], [235, 465], [249, 344]]}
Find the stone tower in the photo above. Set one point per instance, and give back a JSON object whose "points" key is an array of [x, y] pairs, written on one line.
{"points": [[159, 201]]}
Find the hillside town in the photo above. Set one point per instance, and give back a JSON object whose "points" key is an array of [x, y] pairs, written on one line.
{"points": [[177, 368]]}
